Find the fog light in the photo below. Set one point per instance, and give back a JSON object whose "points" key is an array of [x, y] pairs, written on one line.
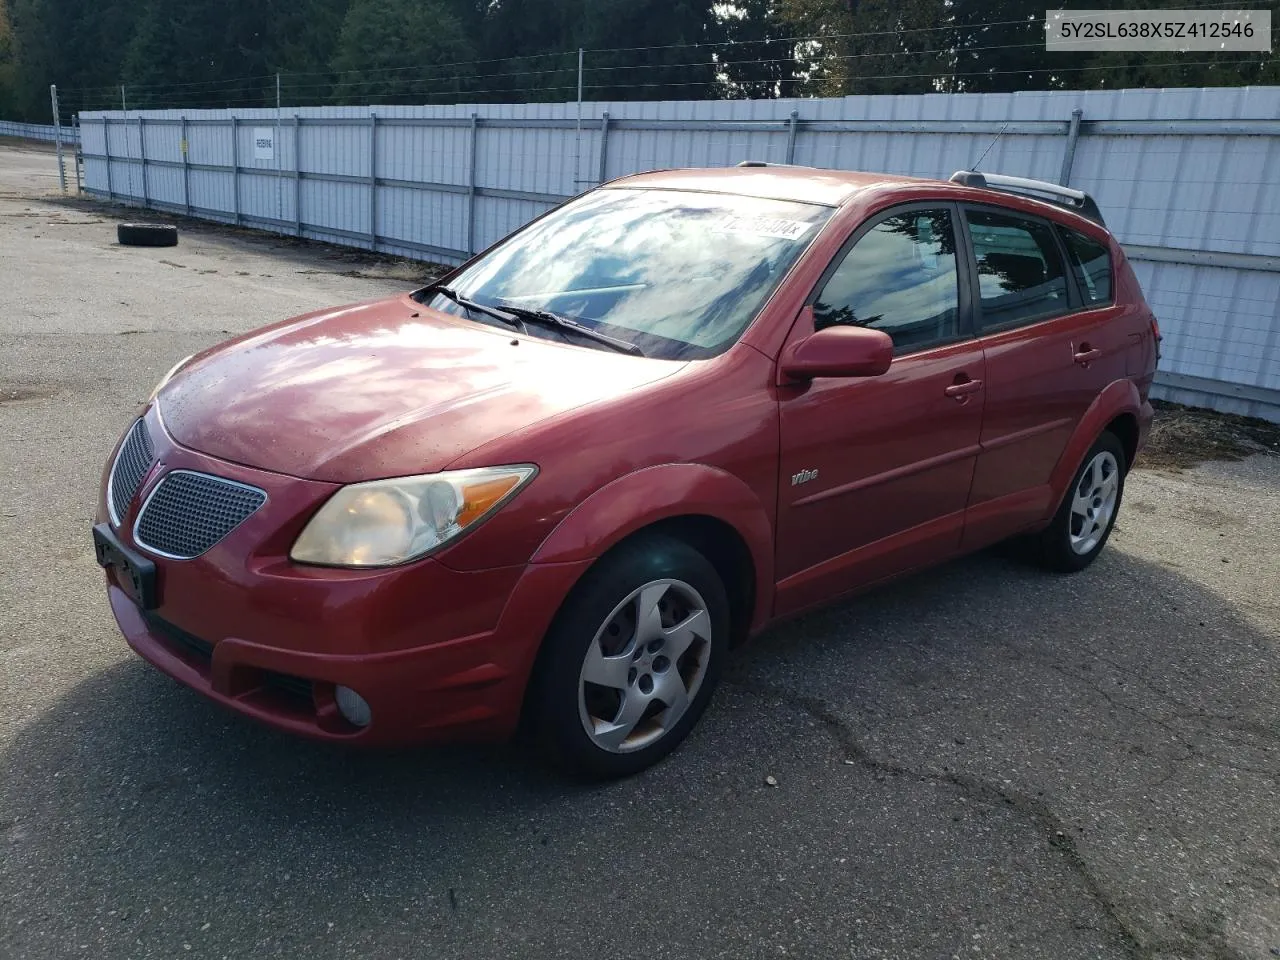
{"points": [[353, 707]]}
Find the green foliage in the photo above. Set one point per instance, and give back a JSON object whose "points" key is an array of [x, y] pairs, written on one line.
{"points": [[8, 64], [381, 38], [214, 53], [75, 43]]}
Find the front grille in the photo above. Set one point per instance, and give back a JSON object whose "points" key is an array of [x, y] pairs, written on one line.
{"points": [[132, 463], [189, 512]]}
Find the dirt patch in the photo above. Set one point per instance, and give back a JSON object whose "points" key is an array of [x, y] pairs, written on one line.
{"points": [[360, 264], [18, 394], [32, 146], [1182, 437]]}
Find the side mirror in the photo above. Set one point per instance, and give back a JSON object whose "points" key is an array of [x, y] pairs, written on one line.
{"points": [[838, 352]]}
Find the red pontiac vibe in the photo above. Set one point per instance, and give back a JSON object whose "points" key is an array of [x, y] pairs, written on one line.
{"points": [[562, 482]]}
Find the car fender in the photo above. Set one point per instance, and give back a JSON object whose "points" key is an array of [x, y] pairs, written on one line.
{"points": [[1119, 397], [647, 496]]}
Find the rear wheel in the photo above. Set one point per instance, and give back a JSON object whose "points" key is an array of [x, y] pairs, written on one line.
{"points": [[632, 659], [1084, 521]]}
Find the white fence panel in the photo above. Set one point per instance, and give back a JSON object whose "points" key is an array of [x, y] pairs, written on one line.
{"points": [[37, 131]]}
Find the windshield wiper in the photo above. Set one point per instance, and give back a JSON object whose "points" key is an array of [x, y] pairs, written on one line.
{"points": [[548, 319], [510, 318]]}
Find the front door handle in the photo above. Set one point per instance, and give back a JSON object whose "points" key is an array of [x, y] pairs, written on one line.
{"points": [[1086, 354], [962, 389]]}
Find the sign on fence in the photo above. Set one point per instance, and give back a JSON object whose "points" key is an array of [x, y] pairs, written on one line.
{"points": [[264, 143]]}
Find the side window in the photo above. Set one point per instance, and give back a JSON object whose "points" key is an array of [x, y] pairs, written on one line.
{"points": [[1091, 262], [1020, 273], [900, 277]]}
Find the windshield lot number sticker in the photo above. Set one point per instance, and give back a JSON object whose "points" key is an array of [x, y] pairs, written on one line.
{"points": [[776, 227]]}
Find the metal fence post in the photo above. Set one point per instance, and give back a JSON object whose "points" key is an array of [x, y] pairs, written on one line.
{"points": [[142, 160], [577, 140], [471, 187], [373, 181], [1069, 152], [79, 155], [106, 150], [604, 147], [57, 135], [185, 148], [278, 150], [128, 152], [791, 135], [235, 168], [297, 175]]}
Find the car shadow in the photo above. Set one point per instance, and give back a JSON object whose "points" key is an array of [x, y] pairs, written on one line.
{"points": [[976, 739]]}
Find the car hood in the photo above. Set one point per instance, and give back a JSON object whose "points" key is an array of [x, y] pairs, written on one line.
{"points": [[381, 390]]}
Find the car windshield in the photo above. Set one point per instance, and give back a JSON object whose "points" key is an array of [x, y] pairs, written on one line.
{"points": [[679, 274]]}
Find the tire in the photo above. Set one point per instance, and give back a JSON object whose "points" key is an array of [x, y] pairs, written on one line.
{"points": [[645, 665], [147, 235], [1083, 524]]}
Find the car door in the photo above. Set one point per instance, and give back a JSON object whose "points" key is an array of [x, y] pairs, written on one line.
{"points": [[875, 472], [1049, 353]]}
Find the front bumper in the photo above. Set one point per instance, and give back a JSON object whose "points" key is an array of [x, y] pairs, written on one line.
{"points": [[439, 654]]}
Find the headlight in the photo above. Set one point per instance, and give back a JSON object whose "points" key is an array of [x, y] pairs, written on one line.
{"points": [[168, 376], [386, 522]]}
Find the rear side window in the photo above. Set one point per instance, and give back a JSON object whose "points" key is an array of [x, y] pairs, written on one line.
{"points": [[900, 277], [1091, 262], [1021, 278]]}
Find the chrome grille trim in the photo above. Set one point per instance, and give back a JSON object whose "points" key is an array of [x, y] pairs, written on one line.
{"points": [[188, 512], [133, 460]]}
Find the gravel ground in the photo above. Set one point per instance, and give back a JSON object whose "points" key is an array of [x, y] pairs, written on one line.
{"points": [[980, 761]]}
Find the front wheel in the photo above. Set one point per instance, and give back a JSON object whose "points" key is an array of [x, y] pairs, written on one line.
{"points": [[632, 659], [1088, 512]]}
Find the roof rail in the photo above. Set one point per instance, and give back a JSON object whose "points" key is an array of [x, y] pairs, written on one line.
{"points": [[770, 163], [1075, 200]]}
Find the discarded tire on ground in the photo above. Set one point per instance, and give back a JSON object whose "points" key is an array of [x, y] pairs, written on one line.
{"points": [[147, 235]]}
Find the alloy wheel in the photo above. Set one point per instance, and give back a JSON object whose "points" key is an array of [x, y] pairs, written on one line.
{"points": [[644, 666], [1093, 502]]}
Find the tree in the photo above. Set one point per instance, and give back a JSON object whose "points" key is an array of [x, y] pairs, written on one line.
{"points": [[646, 50], [871, 46], [636, 49], [8, 65], [227, 52], [999, 46], [401, 50], [216, 53], [759, 60], [77, 44]]}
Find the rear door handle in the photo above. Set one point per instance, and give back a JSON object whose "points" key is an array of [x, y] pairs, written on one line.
{"points": [[963, 389], [1087, 354]]}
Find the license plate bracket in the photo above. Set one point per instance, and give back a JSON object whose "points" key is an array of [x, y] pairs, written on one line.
{"points": [[137, 574]]}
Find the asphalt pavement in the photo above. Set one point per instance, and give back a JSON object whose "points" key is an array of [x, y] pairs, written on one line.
{"points": [[981, 761]]}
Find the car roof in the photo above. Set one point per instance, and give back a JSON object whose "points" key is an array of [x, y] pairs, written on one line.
{"points": [[834, 188], [830, 188]]}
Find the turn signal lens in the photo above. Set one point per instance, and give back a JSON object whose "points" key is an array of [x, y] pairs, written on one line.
{"points": [[480, 497]]}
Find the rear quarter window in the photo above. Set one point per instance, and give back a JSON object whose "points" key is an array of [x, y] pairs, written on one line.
{"points": [[1021, 277], [1091, 264]]}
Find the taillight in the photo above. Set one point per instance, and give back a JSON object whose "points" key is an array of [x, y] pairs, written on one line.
{"points": [[1155, 332]]}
